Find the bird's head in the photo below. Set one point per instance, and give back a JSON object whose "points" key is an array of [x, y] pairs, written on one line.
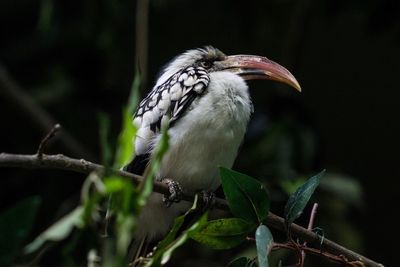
{"points": [[248, 67]]}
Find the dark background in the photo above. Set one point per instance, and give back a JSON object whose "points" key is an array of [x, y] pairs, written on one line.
{"points": [[77, 58]]}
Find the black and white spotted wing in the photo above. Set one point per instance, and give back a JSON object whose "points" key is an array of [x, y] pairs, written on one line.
{"points": [[165, 104]]}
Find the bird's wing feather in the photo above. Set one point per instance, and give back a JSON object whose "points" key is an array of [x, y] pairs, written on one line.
{"points": [[165, 104]]}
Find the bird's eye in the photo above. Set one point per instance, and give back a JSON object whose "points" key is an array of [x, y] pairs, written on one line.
{"points": [[206, 64]]}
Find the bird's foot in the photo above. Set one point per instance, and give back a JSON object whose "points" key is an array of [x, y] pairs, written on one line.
{"points": [[206, 200], [175, 191]]}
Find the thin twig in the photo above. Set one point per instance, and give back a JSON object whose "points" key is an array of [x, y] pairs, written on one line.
{"points": [[338, 259], [82, 166], [46, 139], [309, 227], [312, 218]]}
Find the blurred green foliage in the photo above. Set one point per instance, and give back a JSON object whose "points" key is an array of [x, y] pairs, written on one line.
{"points": [[15, 225]]}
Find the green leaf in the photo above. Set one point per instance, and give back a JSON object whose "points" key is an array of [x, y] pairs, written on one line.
{"points": [[165, 248], [122, 203], [246, 196], [58, 231], [122, 191], [242, 262], [125, 227], [146, 187], [92, 192], [170, 237], [123, 194], [264, 241], [299, 199], [223, 233], [115, 184], [182, 239], [15, 225], [126, 141]]}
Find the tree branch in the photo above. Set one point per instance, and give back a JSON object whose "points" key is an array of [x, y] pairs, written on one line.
{"points": [[82, 166], [337, 259], [46, 139]]}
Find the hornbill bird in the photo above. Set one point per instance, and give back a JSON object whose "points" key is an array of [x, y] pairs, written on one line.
{"points": [[203, 97]]}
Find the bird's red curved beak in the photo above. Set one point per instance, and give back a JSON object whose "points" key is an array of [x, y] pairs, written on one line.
{"points": [[257, 67]]}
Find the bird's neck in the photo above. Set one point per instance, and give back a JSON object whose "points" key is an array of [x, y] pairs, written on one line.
{"points": [[230, 96]]}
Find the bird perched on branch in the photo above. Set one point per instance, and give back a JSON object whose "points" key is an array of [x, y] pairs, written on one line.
{"points": [[203, 97]]}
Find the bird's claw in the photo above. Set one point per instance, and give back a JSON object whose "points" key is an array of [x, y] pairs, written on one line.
{"points": [[175, 191], [206, 200]]}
